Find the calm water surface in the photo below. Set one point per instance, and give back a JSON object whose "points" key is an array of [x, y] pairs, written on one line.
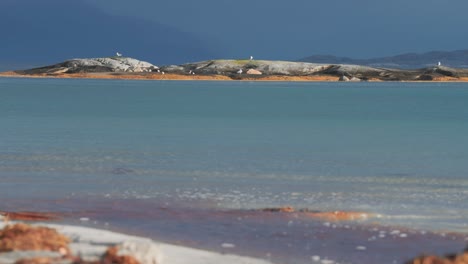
{"points": [[395, 149]]}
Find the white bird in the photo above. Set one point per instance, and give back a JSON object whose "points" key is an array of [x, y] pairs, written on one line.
{"points": [[118, 54], [239, 71], [163, 73], [438, 64], [251, 57]]}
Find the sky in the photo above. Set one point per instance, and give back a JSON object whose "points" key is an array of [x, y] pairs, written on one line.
{"points": [[298, 28], [41, 32]]}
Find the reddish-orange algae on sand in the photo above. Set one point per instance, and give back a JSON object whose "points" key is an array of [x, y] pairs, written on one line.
{"points": [[25, 237], [328, 216], [112, 256], [37, 260], [453, 259], [29, 216], [339, 216]]}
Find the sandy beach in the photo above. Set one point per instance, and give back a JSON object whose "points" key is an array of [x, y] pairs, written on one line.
{"points": [[279, 235], [89, 244]]}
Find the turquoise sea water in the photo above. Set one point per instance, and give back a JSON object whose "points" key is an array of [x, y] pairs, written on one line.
{"points": [[395, 149]]}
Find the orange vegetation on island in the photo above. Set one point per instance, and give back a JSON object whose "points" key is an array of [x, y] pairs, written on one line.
{"points": [[450, 79]]}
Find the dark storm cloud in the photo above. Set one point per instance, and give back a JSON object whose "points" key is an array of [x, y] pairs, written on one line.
{"points": [[292, 29]]}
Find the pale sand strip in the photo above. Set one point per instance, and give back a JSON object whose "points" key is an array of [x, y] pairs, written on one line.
{"points": [[90, 244]]}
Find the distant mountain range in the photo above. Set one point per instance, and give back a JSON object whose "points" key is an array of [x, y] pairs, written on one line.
{"points": [[457, 59], [40, 32]]}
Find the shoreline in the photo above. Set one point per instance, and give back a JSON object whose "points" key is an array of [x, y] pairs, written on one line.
{"points": [[214, 77], [280, 235], [359, 243], [89, 244]]}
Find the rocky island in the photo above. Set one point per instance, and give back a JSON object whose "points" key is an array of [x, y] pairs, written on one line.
{"points": [[264, 70]]}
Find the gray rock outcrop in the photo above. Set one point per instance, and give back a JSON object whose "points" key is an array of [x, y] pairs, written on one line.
{"points": [[343, 79], [252, 68], [110, 64], [254, 72]]}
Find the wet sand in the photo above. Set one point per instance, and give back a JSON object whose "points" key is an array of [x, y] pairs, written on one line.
{"points": [[279, 236]]}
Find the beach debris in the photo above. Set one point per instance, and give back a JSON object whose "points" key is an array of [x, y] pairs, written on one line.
{"points": [[84, 219]]}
